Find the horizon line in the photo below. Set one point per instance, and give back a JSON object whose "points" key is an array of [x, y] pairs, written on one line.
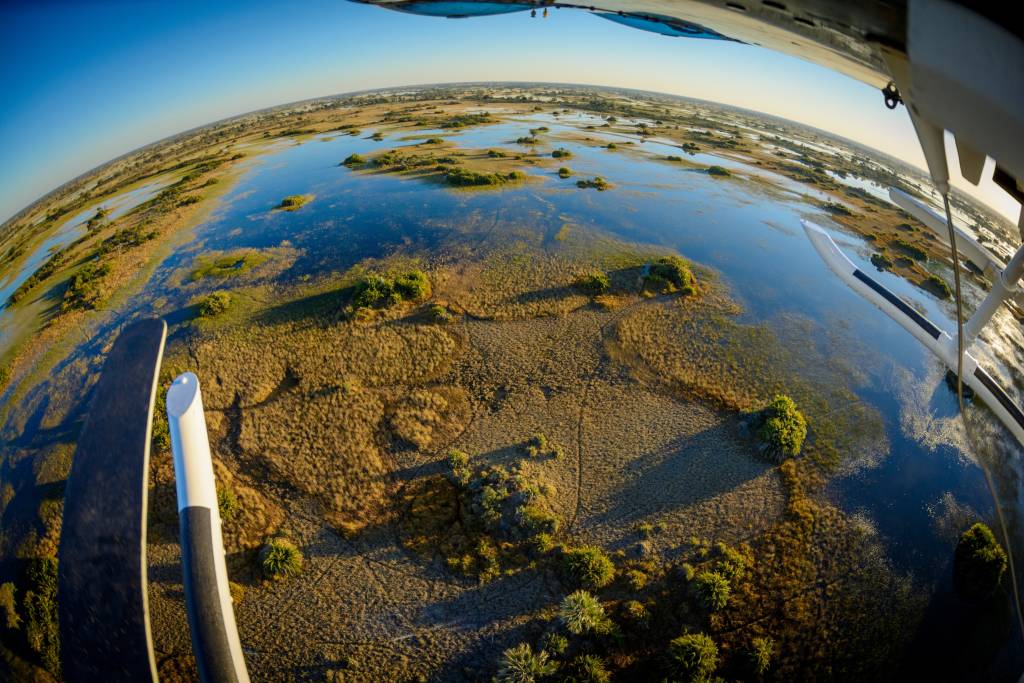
{"points": [[355, 93]]}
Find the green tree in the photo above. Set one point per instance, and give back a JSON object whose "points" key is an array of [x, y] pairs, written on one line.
{"points": [[783, 428], [693, 657]]}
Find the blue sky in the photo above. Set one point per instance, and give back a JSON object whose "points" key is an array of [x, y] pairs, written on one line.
{"points": [[85, 82]]}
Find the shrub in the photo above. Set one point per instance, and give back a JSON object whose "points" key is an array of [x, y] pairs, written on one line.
{"points": [[671, 274], [561, 153], [440, 314], [458, 463], [564, 172], [214, 304], [227, 503], [594, 283], [39, 607], [712, 590], [463, 120], [937, 286], [5, 376], [538, 446], [375, 290], [718, 171], [761, 653], [160, 435], [9, 605], [379, 291], [911, 250], [589, 669], [610, 145], [520, 664], [126, 239], [837, 209], [598, 183], [413, 286], [636, 579], [783, 428], [535, 520], [732, 564], [526, 140], [354, 160], [462, 177], [881, 261], [673, 157], [580, 613], [83, 288], [543, 543], [294, 201], [693, 657], [979, 563], [589, 567], [635, 611], [556, 643], [280, 559], [496, 154]]}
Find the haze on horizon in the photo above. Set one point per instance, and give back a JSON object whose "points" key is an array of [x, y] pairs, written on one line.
{"points": [[88, 82]]}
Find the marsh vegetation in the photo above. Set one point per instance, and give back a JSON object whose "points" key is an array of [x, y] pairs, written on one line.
{"points": [[294, 202], [597, 182]]}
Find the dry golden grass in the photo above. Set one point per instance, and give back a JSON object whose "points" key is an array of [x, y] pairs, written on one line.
{"points": [[428, 418], [313, 400], [257, 515]]}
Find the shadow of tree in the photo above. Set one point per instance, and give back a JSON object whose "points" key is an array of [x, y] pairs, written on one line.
{"points": [[324, 307], [683, 472]]}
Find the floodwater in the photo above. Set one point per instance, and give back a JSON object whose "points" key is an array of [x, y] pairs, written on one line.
{"points": [[748, 231]]}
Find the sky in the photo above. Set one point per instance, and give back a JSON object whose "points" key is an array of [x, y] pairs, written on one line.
{"points": [[85, 82]]}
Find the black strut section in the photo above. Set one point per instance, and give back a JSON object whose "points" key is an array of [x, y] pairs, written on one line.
{"points": [[205, 616], [104, 624], [1012, 408], [922, 322]]}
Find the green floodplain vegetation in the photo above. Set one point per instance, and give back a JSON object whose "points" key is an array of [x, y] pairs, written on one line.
{"points": [[482, 472]]}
